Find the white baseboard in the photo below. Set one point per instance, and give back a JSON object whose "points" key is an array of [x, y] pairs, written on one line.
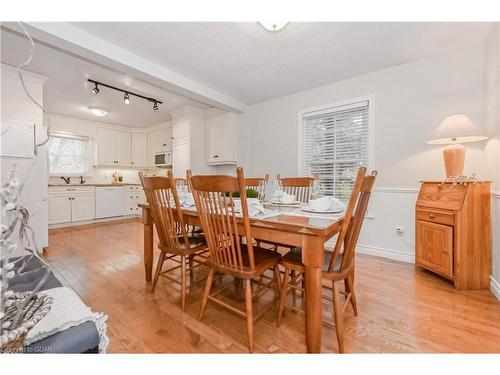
{"points": [[386, 253], [94, 221], [495, 287]]}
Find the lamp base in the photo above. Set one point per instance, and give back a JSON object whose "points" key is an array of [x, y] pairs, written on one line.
{"points": [[454, 159]]}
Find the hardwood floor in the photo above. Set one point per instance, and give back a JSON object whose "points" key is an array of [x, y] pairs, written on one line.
{"points": [[400, 309]]}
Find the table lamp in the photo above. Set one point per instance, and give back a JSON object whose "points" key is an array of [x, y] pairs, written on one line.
{"points": [[453, 131]]}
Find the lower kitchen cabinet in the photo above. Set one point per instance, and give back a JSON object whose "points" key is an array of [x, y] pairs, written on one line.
{"points": [[68, 204]]}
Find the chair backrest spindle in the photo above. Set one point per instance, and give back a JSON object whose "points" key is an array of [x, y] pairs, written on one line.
{"points": [[300, 187], [161, 195], [215, 205]]}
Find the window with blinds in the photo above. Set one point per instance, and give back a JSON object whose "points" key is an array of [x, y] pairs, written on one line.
{"points": [[335, 144], [68, 155]]}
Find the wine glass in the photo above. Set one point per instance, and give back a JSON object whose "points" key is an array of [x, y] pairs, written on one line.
{"points": [[261, 190], [316, 189], [276, 191]]}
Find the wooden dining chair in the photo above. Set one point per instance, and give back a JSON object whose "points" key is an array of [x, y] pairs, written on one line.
{"points": [[227, 254], [298, 186], [175, 241], [339, 265], [253, 182]]}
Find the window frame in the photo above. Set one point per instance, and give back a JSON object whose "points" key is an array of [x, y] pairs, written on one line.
{"points": [[90, 154], [371, 132], [371, 128]]}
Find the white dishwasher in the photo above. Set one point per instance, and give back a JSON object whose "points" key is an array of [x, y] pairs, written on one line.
{"points": [[109, 201]]}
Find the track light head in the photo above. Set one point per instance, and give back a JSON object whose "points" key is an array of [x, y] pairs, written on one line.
{"points": [[95, 90], [126, 99], [155, 107]]}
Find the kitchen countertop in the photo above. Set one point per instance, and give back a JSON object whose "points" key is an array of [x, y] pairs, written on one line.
{"points": [[90, 184]]}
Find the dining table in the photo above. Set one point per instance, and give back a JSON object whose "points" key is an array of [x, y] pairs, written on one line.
{"points": [[287, 226]]}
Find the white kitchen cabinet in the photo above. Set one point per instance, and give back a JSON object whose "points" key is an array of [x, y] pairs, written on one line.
{"points": [[159, 141], [83, 206], [68, 204], [59, 207], [105, 143], [180, 157], [113, 147], [139, 150], [189, 142], [134, 194], [222, 138], [124, 148]]}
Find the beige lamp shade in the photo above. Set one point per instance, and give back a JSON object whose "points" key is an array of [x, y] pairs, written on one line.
{"points": [[456, 129]]}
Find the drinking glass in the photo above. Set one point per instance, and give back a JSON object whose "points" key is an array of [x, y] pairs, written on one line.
{"points": [[275, 192], [261, 190], [316, 189]]}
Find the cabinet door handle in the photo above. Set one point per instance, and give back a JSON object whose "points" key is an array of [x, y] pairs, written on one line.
{"points": [[216, 156], [431, 216]]}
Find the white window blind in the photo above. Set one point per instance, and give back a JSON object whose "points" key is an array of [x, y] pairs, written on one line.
{"points": [[68, 155], [335, 144]]}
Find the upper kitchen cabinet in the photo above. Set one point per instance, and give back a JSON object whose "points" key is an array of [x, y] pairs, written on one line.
{"points": [[139, 150], [222, 137], [113, 147], [158, 141], [189, 142]]}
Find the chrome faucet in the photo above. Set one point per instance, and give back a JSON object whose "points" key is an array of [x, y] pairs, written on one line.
{"points": [[66, 179], [82, 181]]}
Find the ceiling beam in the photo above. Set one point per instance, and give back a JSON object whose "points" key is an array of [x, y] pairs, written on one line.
{"points": [[70, 38]]}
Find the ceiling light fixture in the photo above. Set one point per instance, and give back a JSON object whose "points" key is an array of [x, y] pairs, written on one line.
{"points": [[273, 26], [95, 90], [98, 111], [126, 96]]}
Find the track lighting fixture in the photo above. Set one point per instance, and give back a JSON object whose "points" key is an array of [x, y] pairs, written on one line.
{"points": [[126, 94]]}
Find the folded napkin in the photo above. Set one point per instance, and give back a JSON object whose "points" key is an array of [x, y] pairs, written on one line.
{"points": [[254, 207], [287, 198], [186, 199], [326, 204]]}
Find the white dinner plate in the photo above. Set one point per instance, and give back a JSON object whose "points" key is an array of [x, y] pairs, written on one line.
{"points": [[296, 203], [334, 211]]}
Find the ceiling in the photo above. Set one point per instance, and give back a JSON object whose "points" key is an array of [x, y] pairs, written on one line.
{"points": [[66, 91], [250, 64]]}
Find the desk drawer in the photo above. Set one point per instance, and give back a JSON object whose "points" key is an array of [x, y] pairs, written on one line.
{"points": [[434, 216]]}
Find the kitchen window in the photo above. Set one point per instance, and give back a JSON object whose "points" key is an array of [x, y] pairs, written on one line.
{"points": [[69, 155], [334, 142]]}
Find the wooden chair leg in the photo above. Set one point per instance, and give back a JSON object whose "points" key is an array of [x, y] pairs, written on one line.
{"points": [[159, 266], [293, 274], [183, 282], [337, 312], [349, 287], [248, 304], [191, 268], [284, 291], [277, 277], [206, 292]]}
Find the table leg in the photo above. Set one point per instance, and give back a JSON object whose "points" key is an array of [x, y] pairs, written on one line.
{"points": [[147, 220], [312, 257]]}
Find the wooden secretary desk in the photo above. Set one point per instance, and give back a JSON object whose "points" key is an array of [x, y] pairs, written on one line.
{"points": [[453, 232]]}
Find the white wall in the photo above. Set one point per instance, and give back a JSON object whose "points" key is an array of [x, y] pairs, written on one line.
{"points": [[410, 101], [16, 106], [492, 90]]}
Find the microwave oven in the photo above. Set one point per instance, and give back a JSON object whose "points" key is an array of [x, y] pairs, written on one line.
{"points": [[163, 159]]}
